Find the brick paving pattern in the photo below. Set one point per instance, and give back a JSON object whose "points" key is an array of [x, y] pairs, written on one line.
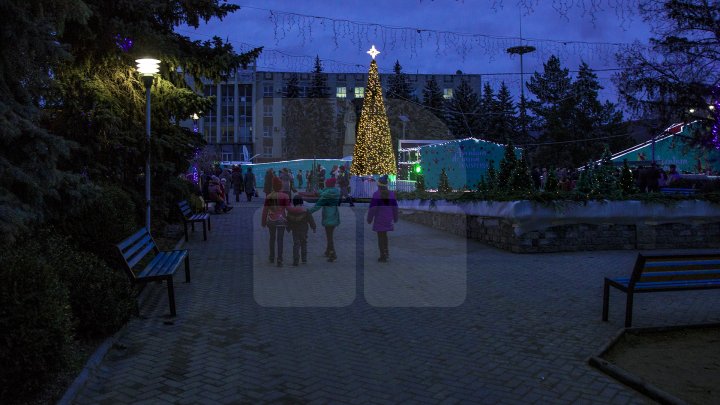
{"points": [[446, 321]]}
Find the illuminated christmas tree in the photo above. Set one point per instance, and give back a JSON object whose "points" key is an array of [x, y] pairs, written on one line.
{"points": [[373, 153]]}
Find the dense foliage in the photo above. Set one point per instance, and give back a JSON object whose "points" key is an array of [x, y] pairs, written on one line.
{"points": [[72, 152]]}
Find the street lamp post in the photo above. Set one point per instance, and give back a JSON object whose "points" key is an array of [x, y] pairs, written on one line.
{"points": [[147, 67]]}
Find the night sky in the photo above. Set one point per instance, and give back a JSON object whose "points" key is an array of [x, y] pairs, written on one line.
{"points": [[439, 37]]}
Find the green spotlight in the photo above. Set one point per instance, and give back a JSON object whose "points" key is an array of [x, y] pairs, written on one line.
{"points": [[418, 169]]}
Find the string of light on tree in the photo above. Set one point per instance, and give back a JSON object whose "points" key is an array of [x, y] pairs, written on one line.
{"points": [[373, 153]]}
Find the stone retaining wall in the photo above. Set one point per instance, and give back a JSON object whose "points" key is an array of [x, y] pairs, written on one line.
{"points": [[500, 232]]}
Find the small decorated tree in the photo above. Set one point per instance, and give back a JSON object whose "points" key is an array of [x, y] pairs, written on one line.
{"points": [[444, 183], [492, 176], [521, 182], [482, 185], [551, 185], [627, 182], [605, 182], [507, 166], [585, 183], [420, 183]]}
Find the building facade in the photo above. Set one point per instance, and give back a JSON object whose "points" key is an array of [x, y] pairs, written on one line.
{"points": [[247, 122]]}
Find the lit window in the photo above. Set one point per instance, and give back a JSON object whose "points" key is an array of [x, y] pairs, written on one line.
{"points": [[267, 110], [447, 94], [266, 132], [359, 92], [227, 156], [341, 92], [268, 90]]}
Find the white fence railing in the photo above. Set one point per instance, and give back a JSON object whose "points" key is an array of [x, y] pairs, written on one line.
{"points": [[365, 186]]}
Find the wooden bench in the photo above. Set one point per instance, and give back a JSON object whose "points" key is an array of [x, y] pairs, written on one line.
{"points": [[189, 217], [138, 249], [658, 273], [680, 191]]}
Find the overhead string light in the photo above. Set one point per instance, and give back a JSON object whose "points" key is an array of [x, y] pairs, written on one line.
{"points": [[287, 24]]}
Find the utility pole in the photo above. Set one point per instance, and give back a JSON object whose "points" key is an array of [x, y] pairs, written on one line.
{"points": [[521, 50]]}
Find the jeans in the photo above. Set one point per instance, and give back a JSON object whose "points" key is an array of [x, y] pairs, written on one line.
{"points": [[277, 234]]}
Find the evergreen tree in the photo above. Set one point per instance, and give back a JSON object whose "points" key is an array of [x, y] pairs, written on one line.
{"points": [[67, 58], [552, 108], [507, 166], [433, 99], [606, 184], [486, 115], [318, 85], [420, 182], [521, 182], [627, 182], [293, 86], [463, 112], [444, 182], [551, 185], [373, 153], [310, 122], [586, 181], [504, 122], [492, 176], [482, 186], [399, 86], [680, 71]]}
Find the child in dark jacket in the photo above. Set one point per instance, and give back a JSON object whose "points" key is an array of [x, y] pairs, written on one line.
{"points": [[299, 220]]}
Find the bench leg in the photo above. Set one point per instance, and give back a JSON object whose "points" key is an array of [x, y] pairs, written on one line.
{"points": [[192, 226], [171, 296], [629, 309], [187, 268], [208, 221], [606, 301], [204, 231], [186, 232]]}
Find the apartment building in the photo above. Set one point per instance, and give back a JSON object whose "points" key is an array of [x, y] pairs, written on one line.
{"points": [[248, 115]]}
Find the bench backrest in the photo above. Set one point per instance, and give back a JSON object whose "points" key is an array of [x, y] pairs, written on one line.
{"points": [[654, 268], [185, 208], [135, 248]]}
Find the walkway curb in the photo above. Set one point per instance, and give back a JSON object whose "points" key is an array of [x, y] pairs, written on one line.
{"points": [[97, 357], [630, 379]]}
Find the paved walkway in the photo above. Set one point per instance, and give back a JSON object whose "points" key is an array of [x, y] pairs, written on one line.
{"points": [[447, 321]]}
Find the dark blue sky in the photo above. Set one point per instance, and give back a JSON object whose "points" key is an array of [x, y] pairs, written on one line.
{"points": [[486, 28]]}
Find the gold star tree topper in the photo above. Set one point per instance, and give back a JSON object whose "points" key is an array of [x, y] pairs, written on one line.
{"points": [[373, 52]]}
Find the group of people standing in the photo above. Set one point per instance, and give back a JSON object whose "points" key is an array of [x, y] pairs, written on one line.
{"points": [[279, 216]]}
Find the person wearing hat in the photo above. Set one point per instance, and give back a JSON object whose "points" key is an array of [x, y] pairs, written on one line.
{"points": [[237, 182], [343, 183], [382, 214], [328, 201], [216, 195], [274, 216], [249, 184]]}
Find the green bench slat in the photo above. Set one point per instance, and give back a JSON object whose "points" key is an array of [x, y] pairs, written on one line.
{"points": [[198, 217]]}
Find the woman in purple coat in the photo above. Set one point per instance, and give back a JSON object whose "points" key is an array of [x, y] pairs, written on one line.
{"points": [[383, 213]]}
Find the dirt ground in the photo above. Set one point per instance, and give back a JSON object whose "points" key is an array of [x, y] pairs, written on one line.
{"points": [[684, 363]]}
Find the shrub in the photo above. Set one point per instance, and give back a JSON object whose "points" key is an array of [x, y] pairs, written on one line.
{"points": [[104, 220], [35, 320], [101, 298], [165, 204]]}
